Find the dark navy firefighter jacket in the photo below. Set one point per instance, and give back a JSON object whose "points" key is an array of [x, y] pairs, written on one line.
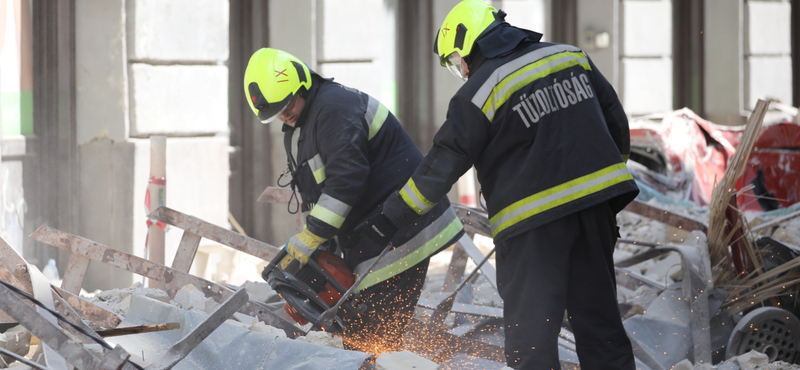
{"points": [[543, 128], [349, 154]]}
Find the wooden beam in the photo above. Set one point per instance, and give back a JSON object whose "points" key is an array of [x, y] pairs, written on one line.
{"points": [[213, 232], [174, 279], [187, 249], [76, 271], [138, 329]]}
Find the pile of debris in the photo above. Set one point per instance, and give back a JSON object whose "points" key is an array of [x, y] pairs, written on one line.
{"points": [[703, 283]]}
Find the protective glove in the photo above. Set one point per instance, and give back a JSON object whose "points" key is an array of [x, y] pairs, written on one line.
{"points": [[380, 229], [302, 245]]}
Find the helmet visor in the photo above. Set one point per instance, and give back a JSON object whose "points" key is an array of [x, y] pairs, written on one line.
{"points": [[454, 65], [265, 110]]}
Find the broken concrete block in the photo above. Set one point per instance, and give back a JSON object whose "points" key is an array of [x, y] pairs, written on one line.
{"points": [[117, 300], [264, 328], [404, 360], [190, 297], [237, 323], [323, 338], [260, 292], [17, 340], [683, 365], [751, 360]]}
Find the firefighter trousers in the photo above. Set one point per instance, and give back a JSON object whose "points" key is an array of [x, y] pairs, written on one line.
{"points": [[565, 264]]}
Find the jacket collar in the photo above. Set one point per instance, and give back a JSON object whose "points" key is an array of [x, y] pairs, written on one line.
{"points": [[500, 41], [316, 82]]}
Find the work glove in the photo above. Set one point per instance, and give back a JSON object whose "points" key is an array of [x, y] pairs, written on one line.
{"points": [[379, 229], [302, 245]]}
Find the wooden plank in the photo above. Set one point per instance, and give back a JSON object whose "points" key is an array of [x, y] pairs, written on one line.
{"points": [[667, 217], [181, 349], [174, 279], [76, 271], [138, 329], [187, 249], [213, 232]]}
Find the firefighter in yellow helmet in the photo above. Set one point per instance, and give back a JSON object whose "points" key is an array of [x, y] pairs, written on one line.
{"points": [[549, 140], [346, 153]]}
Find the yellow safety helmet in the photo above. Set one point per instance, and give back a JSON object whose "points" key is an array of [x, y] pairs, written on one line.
{"points": [[271, 80], [460, 29]]}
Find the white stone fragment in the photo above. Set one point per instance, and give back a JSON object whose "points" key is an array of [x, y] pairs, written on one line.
{"points": [[751, 360], [323, 338], [189, 297], [118, 300], [262, 327], [260, 292], [683, 365], [404, 360]]}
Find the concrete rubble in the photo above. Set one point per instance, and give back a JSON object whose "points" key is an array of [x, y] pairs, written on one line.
{"points": [[649, 310]]}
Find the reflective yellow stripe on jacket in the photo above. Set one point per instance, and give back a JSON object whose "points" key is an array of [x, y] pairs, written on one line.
{"points": [[414, 199], [522, 71], [331, 210], [559, 195]]}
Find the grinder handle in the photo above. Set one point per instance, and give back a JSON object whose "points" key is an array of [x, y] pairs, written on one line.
{"points": [[272, 264]]}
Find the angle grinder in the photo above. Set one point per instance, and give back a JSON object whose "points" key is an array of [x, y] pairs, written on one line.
{"points": [[311, 289]]}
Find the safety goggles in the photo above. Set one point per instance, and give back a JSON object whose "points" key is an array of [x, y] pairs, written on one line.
{"points": [[454, 65]]}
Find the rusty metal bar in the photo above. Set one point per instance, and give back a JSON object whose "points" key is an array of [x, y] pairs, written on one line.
{"points": [[181, 349], [47, 332], [89, 311], [187, 249], [213, 232], [667, 217], [174, 279], [76, 271]]}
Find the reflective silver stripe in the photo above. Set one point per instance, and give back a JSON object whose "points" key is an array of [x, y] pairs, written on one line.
{"points": [[295, 138], [302, 248], [331, 210], [375, 116], [556, 196], [421, 246], [422, 205], [317, 168], [512, 66], [544, 67]]}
